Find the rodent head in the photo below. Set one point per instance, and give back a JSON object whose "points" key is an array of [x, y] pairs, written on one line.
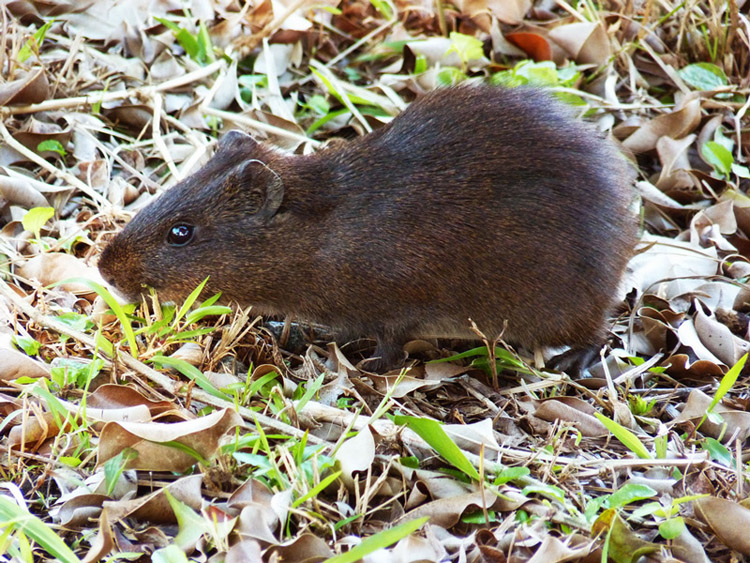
{"points": [[204, 226]]}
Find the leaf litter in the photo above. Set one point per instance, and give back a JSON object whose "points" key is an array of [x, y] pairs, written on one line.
{"points": [[225, 437]]}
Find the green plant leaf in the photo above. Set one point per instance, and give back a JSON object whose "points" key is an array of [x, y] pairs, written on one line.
{"points": [[35, 218], [718, 156], [630, 492], [380, 540], [628, 439], [51, 145], [27, 344], [718, 452], [191, 299], [20, 519], [33, 44], [432, 432], [671, 528], [191, 372], [112, 303], [703, 76], [549, 491], [468, 47]]}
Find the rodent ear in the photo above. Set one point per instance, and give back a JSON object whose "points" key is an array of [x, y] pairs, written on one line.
{"points": [[264, 187], [274, 194], [236, 139]]}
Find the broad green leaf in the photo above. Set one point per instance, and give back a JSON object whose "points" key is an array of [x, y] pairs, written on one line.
{"points": [[191, 299], [27, 344], [727, 382], [35, 218], [628, 439], [380, 540], [511, 474], [467, 47], [703, 76], [630, 492], [191, 524], [718, 452], [550, 491], [718, 156], [432, 432], [450, 76], [51, 145], [671, 528], [315, 490], [383, 7]]}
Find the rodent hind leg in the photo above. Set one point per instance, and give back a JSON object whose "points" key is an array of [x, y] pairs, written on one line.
{"points": [[575, 361], [389, 351]]}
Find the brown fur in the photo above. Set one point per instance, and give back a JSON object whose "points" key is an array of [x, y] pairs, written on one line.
{"points": [[475, 202]]}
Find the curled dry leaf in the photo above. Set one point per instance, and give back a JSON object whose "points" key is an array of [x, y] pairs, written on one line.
{"points": [[31, 88], [446, 512], [553, 550], [728, 520], [76, 512], [21, 192], [416, 548], [54, 267], [155, 508], [356, 454], [571, 410], [103, 543], [244, 551], [15, 364], [586, 42], [737, 422], [471, 437], [111, 396], [149, 441], [306, 548], [533, 44], [718, 339], [676, 125]]}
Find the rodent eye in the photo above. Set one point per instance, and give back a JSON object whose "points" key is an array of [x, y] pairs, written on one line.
{"points": [[180, 234]]}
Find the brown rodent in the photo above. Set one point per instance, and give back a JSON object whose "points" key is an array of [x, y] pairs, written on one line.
{"points": [[475, 202]]}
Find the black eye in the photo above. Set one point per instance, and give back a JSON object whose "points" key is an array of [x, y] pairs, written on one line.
{"points": [[180, 235]]}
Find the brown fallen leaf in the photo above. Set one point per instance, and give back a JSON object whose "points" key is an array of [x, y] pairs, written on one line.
{"points": [[54, 267], [306, 548], [31, 88], [586, 42], [728, 520], [676, 125], [155, 508], [151, 441], [15, 364]]}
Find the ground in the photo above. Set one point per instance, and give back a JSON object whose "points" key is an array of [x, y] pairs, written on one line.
{"points": [[200, 431]]}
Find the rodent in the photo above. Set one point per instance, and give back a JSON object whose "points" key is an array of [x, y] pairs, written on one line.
{"points": [[476, 202]]}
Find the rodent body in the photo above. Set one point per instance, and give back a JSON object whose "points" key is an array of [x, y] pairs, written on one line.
{"points": [[475, 203]]}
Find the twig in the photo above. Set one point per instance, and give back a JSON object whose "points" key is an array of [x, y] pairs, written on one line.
{"points": [[163, 381], [101, 96]]}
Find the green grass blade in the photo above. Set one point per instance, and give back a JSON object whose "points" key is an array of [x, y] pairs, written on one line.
{"points": [[379, 541], [112, 303], [189, 302], [23, 521], [628, 439], [432, 432]]}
